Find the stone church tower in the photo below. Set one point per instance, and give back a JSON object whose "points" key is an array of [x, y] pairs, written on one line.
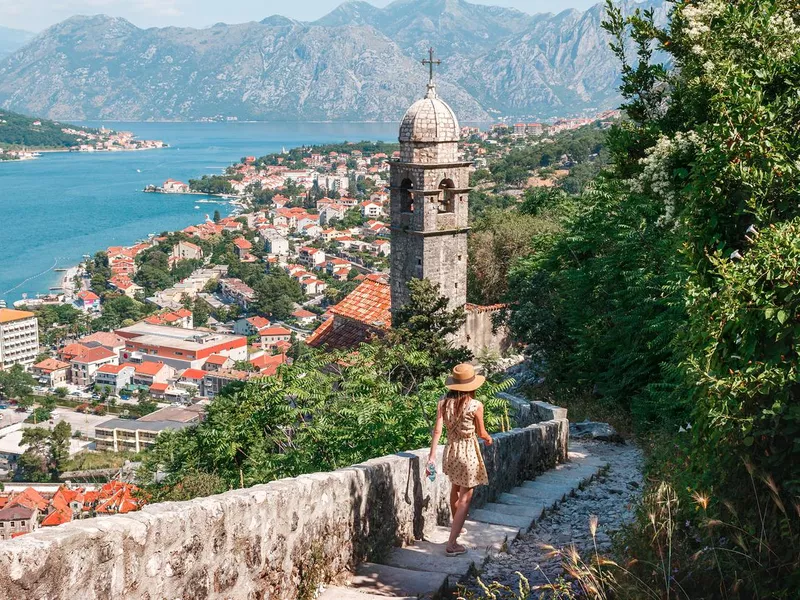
{"points": [[429, 191]]}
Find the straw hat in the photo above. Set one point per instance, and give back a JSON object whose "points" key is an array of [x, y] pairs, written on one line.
{"points": [[464, 379]]}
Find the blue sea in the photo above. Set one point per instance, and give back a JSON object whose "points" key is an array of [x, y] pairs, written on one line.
{"points": [[56, 209]]}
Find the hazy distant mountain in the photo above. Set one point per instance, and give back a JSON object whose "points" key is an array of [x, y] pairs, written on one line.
{"points": [[357, 63], [13, 39]]}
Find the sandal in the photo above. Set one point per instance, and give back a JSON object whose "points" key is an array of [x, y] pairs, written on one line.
{"points": [[456, 551]]}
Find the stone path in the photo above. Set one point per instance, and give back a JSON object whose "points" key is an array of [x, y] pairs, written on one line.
{"points": [[611, 497], [423, 571]]}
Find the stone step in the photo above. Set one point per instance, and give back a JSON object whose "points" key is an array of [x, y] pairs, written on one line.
{"points": [[343, 593], [549, 496], [381, 581], [484, 537], [498, 518], [427, 556], [525, 510]]}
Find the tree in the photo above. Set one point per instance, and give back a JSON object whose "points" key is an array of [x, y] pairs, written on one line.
{"points": [[426, 323], [276, 294], [16, 383], [59, 448], [61, 392], [217, 216]]}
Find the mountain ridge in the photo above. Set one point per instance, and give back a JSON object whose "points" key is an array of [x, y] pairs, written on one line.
{"points": [[358, 62]]}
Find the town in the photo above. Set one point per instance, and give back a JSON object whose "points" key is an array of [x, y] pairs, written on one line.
{"points": [[143, 337]]}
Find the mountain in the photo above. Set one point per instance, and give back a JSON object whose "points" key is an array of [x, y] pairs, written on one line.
{"points": [[13, 39], [358, 62]]}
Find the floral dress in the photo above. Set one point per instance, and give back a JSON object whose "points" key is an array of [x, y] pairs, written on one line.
{"points": [[463, 462]]}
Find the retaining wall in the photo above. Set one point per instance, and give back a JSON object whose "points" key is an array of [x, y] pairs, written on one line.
{"points": [[266, 542]]}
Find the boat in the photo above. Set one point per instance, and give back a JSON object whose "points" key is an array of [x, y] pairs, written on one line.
{"points": [[196, 206], [60, 270]]}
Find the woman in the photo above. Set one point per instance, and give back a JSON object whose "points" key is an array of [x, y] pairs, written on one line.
{"points": [[462, 414]]}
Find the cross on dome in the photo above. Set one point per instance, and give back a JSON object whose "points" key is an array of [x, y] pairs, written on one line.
{"points": [[430, 62]]}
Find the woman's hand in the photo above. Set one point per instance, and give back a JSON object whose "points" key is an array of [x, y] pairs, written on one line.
{"points": [[487, 439]]}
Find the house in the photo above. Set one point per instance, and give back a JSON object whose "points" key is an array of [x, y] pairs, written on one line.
{"points": [[147, 373], [250, 325], [267, 365], [175, 187], [218, 362], [381, 247], [272, 335], [70, 351], [158, 391], [51, 372], [313, 286], [124, 285], [87, 301], [277, 245], [241, 247], [371, 210], [182, 317], [106, 339], [16, 520], [185, 251], [311, 257], [331, 212], [84, 366], [236, 290], [191, 380], [304, 317], [114, 377]]}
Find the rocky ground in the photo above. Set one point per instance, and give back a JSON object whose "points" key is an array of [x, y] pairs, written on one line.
{"points": [[611, 498]]}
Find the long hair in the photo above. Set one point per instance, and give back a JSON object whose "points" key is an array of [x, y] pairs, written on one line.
{"points": [[455, 404]]}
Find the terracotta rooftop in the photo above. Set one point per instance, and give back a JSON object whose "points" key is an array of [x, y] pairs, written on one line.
{"points": [[364, 313], [51, 364]]}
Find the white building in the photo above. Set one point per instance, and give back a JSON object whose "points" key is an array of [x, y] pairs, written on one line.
{"points": [[19, 338]]}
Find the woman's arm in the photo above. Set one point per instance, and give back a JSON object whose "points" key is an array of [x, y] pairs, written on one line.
{"points": [[480, 427], [437, 432]]}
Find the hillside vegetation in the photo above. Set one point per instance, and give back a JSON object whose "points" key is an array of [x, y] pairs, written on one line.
{"points": [[665, 295], [18, 130]]}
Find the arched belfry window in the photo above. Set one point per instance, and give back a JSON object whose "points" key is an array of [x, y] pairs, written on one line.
{"points": [[406, 196], [447, 197]]}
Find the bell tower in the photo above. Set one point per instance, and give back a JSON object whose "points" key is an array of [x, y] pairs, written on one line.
{"points": [[428, 202]]}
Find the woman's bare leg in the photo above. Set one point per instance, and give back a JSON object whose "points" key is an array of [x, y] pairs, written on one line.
{"points": [[460, 515], [453, 500]]}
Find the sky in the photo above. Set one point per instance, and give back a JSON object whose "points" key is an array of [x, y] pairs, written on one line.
{"points": [[36, 15]]}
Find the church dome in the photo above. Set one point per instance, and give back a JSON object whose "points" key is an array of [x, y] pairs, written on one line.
{"points": [[429, 120]]}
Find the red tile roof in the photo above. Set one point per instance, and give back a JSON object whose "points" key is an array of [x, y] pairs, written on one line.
{"points": [[268, 365], [88, 295], [242, 243], [159, 387], [302, 313], [258, 322], [364, 313], [193, 374], [95, 354], [29, 498], [217, 359], [269, 331], [51, 364], [149, 368]]}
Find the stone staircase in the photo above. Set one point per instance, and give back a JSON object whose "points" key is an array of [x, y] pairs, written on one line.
{"points": [[423, 571]]}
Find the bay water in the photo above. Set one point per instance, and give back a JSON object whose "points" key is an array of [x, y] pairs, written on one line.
{"points": [[62, 206]]}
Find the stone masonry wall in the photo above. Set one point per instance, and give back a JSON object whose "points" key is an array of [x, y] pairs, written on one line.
{"points": [[268, 541]]}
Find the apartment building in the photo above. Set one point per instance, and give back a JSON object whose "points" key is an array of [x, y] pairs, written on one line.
{"points": [[19, 338]]}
